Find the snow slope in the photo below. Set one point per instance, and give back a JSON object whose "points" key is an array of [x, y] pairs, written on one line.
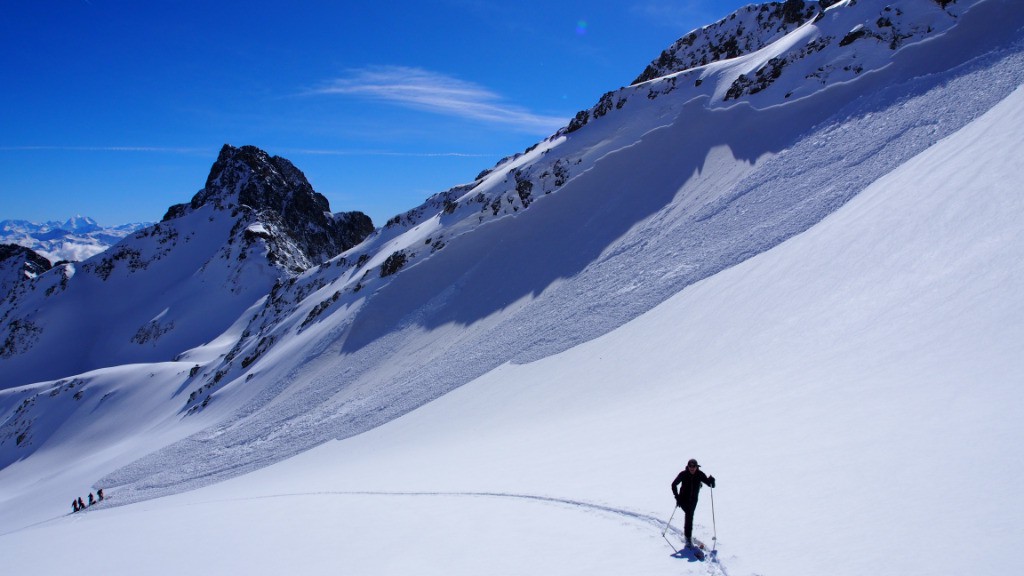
{"points": [[855, 391], [818, 298]]}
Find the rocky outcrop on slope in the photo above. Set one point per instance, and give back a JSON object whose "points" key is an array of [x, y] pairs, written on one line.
{"points": [[18, 264], [747, 30], [782, 51], [753, 27]]}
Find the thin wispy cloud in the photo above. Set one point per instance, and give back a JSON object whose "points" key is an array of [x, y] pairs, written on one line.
{"points": [[440, 94]]}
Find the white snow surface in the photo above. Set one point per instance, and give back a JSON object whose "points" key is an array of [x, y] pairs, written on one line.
{"points": [[821, 304]]}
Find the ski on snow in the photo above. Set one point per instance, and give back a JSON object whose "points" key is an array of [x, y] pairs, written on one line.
{"points": [[698, 549]]}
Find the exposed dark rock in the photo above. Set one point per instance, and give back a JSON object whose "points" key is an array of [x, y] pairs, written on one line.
{"points": [[855, 35], [581, 119], [33, 263], [251, 180], [353, 227], [393, 264], [18, 264]]}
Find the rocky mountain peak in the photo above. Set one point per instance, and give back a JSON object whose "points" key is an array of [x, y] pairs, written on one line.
{"points": [[248, 176], [258, 187], [81, 225]]}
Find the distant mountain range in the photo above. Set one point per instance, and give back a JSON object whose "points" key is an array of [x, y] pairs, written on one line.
{"points": [[73, 240]]}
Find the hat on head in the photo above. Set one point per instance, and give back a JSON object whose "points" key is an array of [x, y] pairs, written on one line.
{"points": [[692, 462]]}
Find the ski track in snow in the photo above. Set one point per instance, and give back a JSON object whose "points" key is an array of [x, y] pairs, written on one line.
{"points": [[714, 565], [713, 562]]}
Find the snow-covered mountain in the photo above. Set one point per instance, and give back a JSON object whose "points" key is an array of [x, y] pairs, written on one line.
{"points": [[178, 283], [74, 240], [792, 250]]}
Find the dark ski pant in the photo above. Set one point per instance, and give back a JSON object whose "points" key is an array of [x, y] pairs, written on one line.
{"points": [[688, 523]]}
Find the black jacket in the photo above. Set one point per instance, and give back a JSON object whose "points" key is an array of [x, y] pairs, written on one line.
{"points": [[686, 487]]}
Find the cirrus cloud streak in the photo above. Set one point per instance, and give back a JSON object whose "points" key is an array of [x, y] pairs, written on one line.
{"points": [[440, 94]]}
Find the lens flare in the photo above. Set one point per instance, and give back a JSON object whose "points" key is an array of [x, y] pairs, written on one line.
{"points": [[581, 27]]}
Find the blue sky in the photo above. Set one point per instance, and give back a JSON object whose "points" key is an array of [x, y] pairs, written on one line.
{"points": [[117, 109]]}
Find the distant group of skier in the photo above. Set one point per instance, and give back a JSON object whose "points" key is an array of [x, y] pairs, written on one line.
{"points": [[77, 505]]}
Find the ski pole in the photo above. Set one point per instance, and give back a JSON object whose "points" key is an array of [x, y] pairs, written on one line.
{"points": [[665, 531], [714, 525]]}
